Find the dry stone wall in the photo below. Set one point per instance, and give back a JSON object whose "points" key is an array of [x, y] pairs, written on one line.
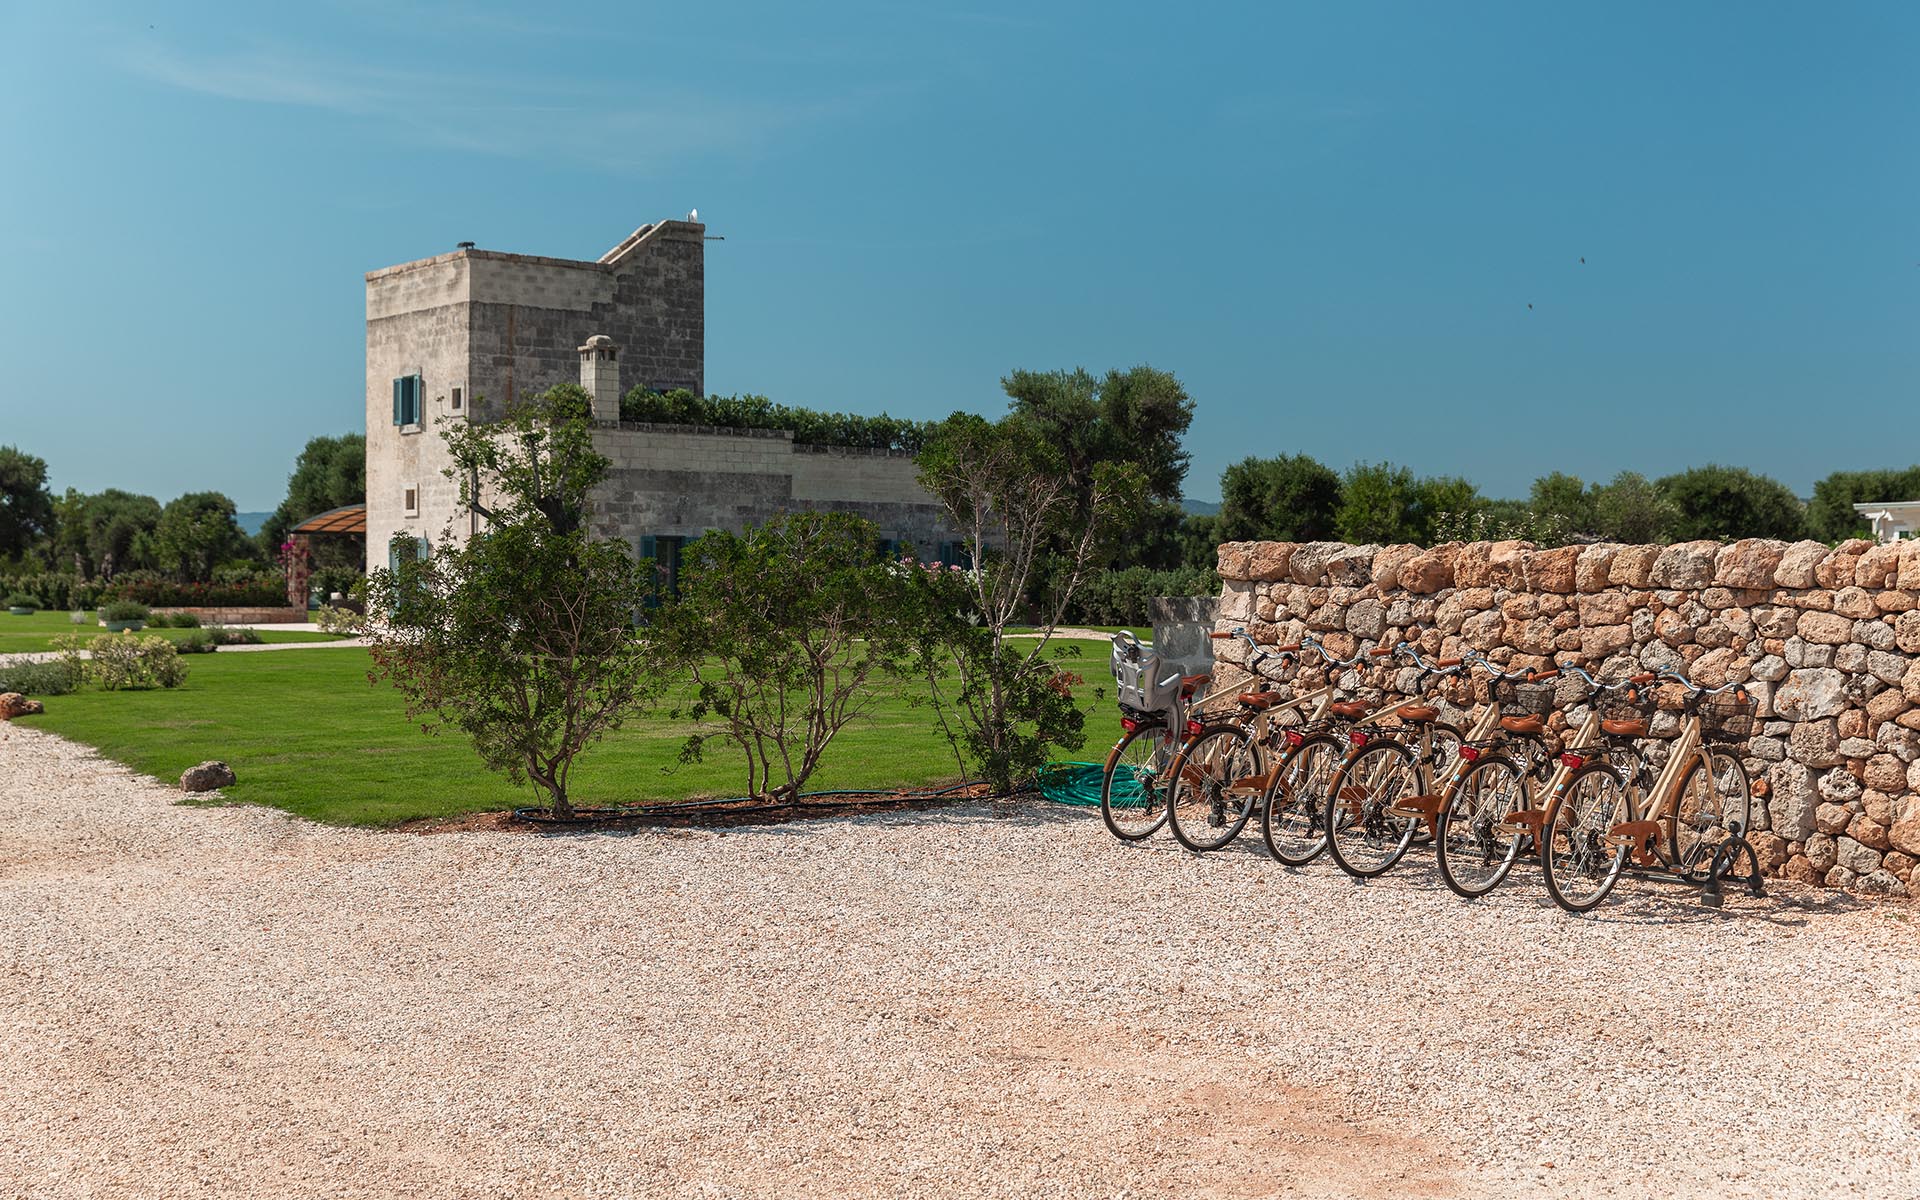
{"points": [[1827, 640]]}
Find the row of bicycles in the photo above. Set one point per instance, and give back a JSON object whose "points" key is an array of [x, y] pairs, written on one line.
{"points": [[1369, 777]]}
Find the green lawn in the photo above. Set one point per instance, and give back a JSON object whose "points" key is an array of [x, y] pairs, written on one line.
{"points": [[306, 732], [21, 635]]}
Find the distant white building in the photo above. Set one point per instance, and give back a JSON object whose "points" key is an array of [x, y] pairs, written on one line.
{"points": [[1892, 521]]}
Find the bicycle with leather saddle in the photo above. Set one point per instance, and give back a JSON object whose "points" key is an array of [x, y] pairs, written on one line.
{"points": [[1506, 769], [1227, 761], [1386, 765], [1133, 783], [1689, 825]]}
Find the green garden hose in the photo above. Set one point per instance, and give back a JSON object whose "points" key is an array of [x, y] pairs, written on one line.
{"points": [[1072, 782]]}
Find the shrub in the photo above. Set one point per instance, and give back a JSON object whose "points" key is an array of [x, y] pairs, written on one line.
{"points": [[124, 610], [339, 620], [31, 678], [22, 600], [174, 620], [1122, 597], [194, 641], [232, 635], [135, 662], [52, 591]]}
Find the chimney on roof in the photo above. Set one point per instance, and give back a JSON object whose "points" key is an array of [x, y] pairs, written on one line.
{"points": [[464, 246], [600, 376]]}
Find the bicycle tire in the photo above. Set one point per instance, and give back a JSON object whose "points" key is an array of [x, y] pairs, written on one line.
{"points": [[1294, 828], [1714, 794], [1201, 776], [1136, 811], [1587, 874], [1363, 837], [1469, 831]]}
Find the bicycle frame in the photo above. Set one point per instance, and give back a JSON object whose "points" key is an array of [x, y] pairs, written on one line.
{"points": [[1642, 835]]}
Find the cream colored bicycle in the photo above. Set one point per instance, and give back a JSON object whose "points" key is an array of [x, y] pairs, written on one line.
{"points": [[1689, 825]]}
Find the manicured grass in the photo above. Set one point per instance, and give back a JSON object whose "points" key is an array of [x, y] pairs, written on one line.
{"points": [[304, 731], [22, 635]]}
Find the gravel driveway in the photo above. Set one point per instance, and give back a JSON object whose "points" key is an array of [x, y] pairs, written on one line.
{"points": [[225, 1001]]}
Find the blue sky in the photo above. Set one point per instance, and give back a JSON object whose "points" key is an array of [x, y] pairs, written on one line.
{"points": [[1328, 220]]}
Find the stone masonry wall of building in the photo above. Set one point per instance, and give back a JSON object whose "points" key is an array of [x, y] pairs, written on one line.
{"points": [[682, 481], [1826, 640], [495, 325]]}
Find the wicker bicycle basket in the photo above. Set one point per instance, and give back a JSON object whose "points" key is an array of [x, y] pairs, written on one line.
{"points": [[1519, 696], [1630, 704], [1727, 718]]}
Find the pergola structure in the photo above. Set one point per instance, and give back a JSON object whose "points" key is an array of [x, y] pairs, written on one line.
{"points": [[351, 518]]}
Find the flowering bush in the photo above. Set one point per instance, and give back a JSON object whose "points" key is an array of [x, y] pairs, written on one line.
{"points": [[122, 661]]}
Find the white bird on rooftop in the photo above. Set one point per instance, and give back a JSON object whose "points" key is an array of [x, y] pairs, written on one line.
{"points": [[693, 214]]}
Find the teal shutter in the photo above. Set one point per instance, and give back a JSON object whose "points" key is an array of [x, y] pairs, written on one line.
{"points": [[421, 550], [649, 548], [418, 409], [399, 391]]}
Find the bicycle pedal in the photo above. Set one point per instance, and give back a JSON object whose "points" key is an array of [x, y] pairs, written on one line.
{"points": [[1527, 822]]}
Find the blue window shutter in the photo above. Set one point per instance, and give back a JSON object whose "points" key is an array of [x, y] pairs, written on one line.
{"points": [[399, 386], [649, 548], [421, 550], [419, 400]]}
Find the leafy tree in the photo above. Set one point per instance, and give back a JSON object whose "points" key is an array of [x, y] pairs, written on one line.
{"points": [[1564, 496], [330, 473], [1830, 515], [105, 533], [1138, 416], [1200, 539], [787, 630], [522, 637], [196, 533], [1379, 503], [1730, 502], [1632, 510], [1441, 494], [1007, 486], [1291, 498], [26, 506]]}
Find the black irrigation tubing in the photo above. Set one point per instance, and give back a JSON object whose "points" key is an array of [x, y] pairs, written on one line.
{"points": [[734, 804]]}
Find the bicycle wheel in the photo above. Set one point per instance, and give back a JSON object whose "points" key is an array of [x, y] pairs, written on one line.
{"points": [[1214, 784], [1715, 795], [1133, 789], [1475, 852], [1580, 866], [1363, 836], [1291, 820]]}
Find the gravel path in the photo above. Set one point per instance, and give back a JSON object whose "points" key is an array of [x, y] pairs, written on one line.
{"points": [[228, 1002]]}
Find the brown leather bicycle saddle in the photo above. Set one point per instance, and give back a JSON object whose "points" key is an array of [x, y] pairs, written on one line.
{"points": [[1193, 683], [1419, 712], [1260, 700], [1352, 710], [1528, 724], [1635, 729]]}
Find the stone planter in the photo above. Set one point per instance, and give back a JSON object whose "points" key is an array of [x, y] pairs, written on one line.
{"points": [[124, 626], [17, 611]]}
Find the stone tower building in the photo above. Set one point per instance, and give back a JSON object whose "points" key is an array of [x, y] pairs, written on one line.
{"points": [[449, 338]]}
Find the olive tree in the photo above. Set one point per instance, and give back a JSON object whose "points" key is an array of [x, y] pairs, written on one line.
{"points": [[787, 631], [522, 637], [1005, 485]]}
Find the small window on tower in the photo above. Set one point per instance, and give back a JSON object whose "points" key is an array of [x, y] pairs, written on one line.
{"points": [[456, 399], [412, 502]]}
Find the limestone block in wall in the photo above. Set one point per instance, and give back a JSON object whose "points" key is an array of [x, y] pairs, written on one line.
{"points": [[1907, 578], [1799, 565], [1837, 568], [1685, 565], [1791, 802], [1471, 567], [1269, 561], [1352, 566], [1591, 569], [1308, 563], [1906, 632], [1894, 600], [1387, 563], [1632, 566], [1429, 572], [1811, 693], [1887, 706], [1507, 564], [1874, 634], [1749, 563], [1236, 600], [1552, 570], [1879, 567], [1854, 602], [1824, 629]]}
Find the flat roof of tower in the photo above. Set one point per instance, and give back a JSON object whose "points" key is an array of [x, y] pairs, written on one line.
{"points": [[605, 262]]}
